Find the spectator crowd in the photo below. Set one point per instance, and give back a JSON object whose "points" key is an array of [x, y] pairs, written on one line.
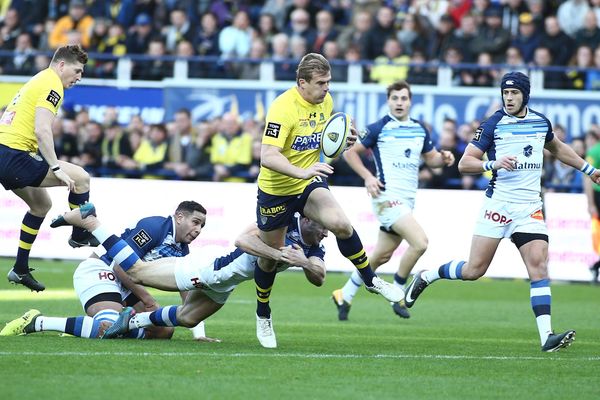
{"points": [[227, 39]]}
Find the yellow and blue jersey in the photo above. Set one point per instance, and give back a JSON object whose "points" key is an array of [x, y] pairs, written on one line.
{"points": [[17, 123], [294, 125]]}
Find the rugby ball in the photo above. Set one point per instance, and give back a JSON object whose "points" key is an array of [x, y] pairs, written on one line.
{"points": [[333, 137]]}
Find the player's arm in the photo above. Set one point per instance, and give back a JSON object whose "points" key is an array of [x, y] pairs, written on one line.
{"points": [[567, 155], [352, 157], [271, 158], [43, 133], [436, 159], [313, 267], [139, 291], [250, 242], [472, 162]]}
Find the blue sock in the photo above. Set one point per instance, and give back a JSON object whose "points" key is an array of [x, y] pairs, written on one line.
{"points": [[451, 270], [29, 230], [352, 248], [164, 316], [541, 302], [400, 281], [264, 284]]}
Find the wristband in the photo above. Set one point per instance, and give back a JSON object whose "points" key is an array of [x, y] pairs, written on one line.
{"points": [[588, 169], [55, 168], [489, 165]]}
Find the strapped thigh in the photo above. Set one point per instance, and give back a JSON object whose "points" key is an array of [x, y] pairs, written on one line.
{"points": [[521, 238]]}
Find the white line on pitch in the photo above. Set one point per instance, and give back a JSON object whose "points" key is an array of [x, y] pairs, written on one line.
{"points": [[297, 355]]}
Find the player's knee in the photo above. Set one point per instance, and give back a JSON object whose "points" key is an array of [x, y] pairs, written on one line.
{"points": [[341, 228], [41, 208], [420, 247], [82, 180]]}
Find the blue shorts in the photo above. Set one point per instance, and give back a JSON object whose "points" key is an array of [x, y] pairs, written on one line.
{"points": [[19, 169], [273, 212]]}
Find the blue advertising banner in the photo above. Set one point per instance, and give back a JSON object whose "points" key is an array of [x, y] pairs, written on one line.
{"points": [[575, 113], [146, 102]]}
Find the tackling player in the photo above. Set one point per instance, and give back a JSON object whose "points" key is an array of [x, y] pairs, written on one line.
{"points": [[103, 287], [28, 162], [210, 279], [293, 180], [514, 139]]}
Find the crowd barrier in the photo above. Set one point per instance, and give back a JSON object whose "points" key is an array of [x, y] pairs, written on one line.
{"points": [[447, 216]]}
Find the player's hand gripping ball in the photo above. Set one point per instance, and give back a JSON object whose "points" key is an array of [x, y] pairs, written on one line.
{"points": [[335, 133]]}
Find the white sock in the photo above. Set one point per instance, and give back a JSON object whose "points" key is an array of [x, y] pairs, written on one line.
{"points": [[50, 324], [431, 275], [544, 325], [351, 287], [140, 320], [101, 234], [198, 331]]}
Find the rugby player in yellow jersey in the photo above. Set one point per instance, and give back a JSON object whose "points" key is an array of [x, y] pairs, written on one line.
{"points": [[28, 162], [293, 180]]}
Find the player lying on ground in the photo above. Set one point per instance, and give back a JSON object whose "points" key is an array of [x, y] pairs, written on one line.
{"points": [[102, 291], [210, 280]]}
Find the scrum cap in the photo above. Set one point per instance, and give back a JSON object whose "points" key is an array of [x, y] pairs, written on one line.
{"points": [[519, 81]]}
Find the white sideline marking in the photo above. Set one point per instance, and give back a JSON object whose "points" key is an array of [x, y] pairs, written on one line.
{"points": [[297, 355]]}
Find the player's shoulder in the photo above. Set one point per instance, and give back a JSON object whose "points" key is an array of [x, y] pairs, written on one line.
{"points": [[536, 115], [378, 125], [492, 121]]}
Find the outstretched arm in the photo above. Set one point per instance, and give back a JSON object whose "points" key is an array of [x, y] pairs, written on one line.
{"points": [[436, 159], [567, 155], [250, 242], [352, 157]]}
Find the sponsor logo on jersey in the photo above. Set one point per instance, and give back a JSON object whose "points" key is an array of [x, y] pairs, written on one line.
{"points": [[321, 117], [477, 135], [272, 211], [106, 275], [53, 98], [497, 217], [312, 115], [528, 150], [401, 165], [197, 284], [528, 165], [273, 129], [539, 215], [141, 238], [311, 142]]}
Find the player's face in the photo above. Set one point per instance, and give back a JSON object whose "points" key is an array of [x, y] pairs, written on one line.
{"points": [[315, 91], [513, 99], [70, 73], [189, 226], [399, 103], [313, 232]]}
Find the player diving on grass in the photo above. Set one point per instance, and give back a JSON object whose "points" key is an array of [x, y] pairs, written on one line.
{"points": [[210, 280], [103, 287]]}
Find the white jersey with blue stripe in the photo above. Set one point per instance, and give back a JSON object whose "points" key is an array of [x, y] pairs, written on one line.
{"points": [[153, 238], [397, 147], [506, 135], [236, 267]]}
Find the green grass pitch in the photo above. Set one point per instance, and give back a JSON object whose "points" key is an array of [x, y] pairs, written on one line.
{"points": [[473, 340]]}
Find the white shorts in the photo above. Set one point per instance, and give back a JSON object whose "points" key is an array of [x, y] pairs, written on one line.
{"points": [[93, 277], [500, 219], [197, 272], [388, 211]]}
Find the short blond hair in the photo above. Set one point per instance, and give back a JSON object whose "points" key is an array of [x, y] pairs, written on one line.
{"points": [[312, 64]]}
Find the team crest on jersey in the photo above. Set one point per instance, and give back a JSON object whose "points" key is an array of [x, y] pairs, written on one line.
{"points": [[141, 238], [321, 117], [407, 153], [53, 98], [273, 129], [477, 134], [312, 123], [528, 150]]}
